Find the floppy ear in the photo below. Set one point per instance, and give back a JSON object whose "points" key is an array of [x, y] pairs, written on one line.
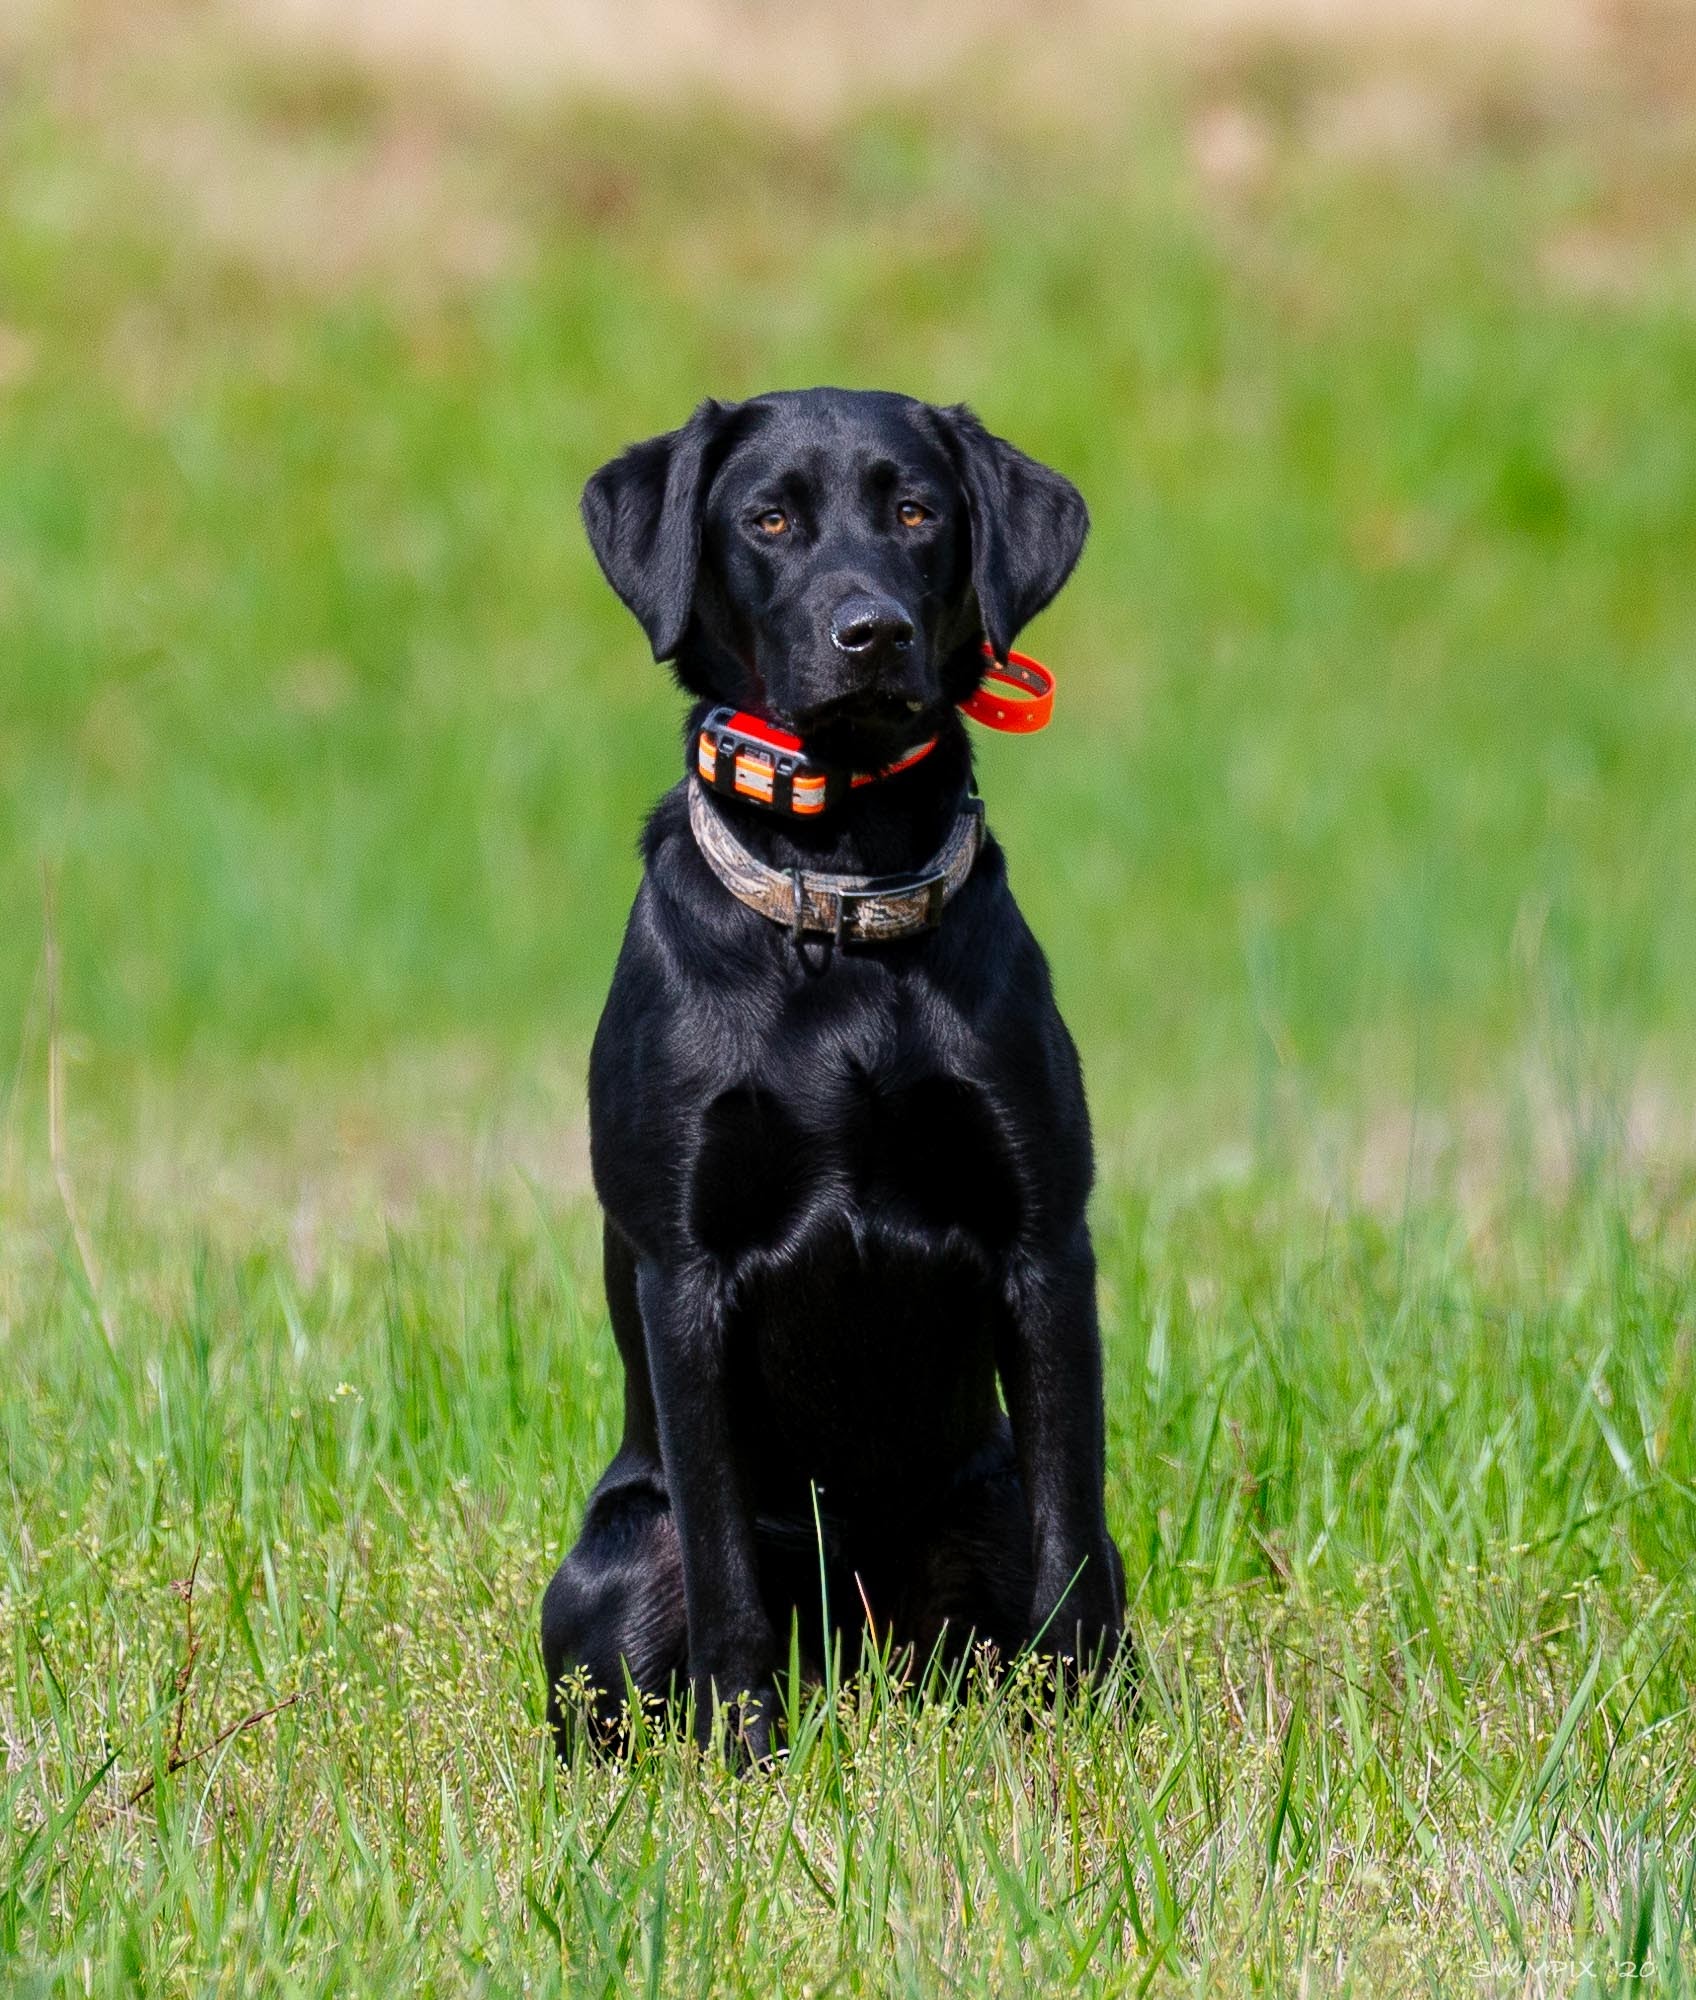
{"points": [[1028, 527], [643, 515]]}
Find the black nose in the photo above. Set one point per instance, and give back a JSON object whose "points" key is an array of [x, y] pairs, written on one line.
{"points": [[867, 624]]}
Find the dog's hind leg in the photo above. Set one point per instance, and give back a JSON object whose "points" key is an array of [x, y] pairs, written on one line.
{"points": [[965, 1581], [614, 1610]]}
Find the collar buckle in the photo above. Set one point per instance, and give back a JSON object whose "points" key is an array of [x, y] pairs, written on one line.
{"points": [[850, 909], [917, 900]]}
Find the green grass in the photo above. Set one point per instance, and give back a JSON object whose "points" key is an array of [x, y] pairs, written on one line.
{"points": [[1360, 845], [1380, 650], [1408, 1527]]}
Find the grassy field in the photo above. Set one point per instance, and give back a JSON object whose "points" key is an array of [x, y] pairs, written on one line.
{"points": [[1361, 847]]}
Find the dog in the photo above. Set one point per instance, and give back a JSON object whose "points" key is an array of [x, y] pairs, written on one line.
{"points": [[837, 1125]]}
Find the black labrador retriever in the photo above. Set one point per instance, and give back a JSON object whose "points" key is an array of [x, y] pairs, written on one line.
{"points": [[837, 1125]]}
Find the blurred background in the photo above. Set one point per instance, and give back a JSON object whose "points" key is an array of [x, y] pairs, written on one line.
{"points": [[1362, 841]]}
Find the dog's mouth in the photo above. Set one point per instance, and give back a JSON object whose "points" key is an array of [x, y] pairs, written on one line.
{"points": [[868, 722]]}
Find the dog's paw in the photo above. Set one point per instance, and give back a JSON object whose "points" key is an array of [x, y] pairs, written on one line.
{"points": [[1081, 1628], [1100, 1659], [743, 1728]]}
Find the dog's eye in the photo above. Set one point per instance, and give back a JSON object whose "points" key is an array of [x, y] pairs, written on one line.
{"points": [[910, 514], [772, 522]]}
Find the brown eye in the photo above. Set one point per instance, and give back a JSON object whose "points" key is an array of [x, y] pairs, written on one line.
{"points": [[910, 514], [772, 522]]}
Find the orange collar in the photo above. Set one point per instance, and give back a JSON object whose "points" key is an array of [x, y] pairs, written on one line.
{"points": [[746, 757], [1018, 718]]}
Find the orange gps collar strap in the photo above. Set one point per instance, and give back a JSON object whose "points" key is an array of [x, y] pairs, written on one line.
{"points": [[1018, 718], [745, 757]]}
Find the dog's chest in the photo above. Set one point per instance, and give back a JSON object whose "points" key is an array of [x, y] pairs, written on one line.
{"points": [[863, 1213], [837, 1141]]}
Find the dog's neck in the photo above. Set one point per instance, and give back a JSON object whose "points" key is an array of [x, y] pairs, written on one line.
{"points": [[892, 827]]}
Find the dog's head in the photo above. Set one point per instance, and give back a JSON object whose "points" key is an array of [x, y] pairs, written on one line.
{"points": [[832, 558]]}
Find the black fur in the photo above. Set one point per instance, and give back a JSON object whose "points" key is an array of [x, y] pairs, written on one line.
{"points": [[844, 1188]]}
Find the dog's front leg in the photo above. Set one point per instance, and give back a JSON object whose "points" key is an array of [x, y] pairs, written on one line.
{"points": [[732, 1653], [1050, 1366]]}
